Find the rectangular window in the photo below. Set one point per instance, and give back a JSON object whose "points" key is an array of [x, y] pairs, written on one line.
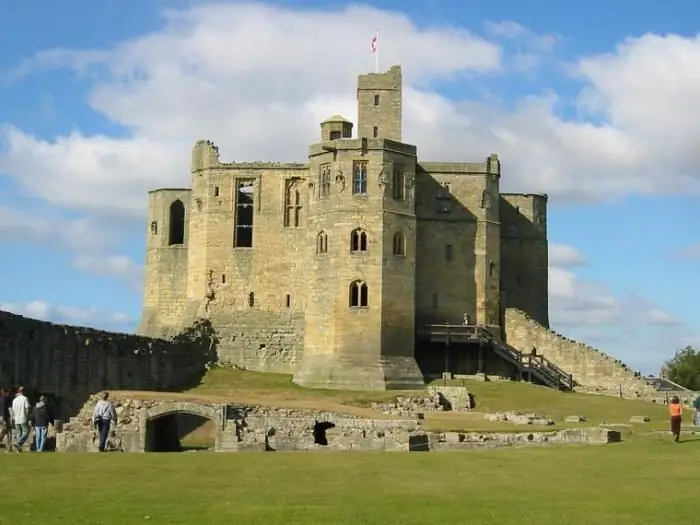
{"points": [[375, 132], [245, 202], [335, 135], [376, 100], [398, 187], [289, 301], [448, 252], [359, 178]]}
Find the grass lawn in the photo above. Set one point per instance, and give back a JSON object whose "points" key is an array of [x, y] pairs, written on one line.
{"points": [[278, 390], [644, 481]]}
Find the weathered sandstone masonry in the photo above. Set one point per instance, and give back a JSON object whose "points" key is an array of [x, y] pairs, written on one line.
{"points": [[71, 362], [325, 269], [592, 370], [256, 428]]}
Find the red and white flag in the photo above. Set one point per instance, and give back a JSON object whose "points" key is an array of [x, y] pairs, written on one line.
{"points": [[375, 43]]}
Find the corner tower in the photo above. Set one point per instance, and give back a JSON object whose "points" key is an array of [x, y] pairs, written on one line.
{"points": [[360, 302], [379, 101]]}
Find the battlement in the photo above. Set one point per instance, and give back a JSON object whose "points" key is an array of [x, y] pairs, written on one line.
{"points": [[365, 144], [491, 166], [205, 154], [532, 196], [389, 80], [159, 190]]}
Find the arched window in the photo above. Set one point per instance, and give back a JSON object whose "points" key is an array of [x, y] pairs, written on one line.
{"points": [[358, 294], [322, 243], [399, 244], [176, 234], [358, 240]]}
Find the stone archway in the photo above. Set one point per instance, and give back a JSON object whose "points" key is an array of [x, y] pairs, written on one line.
{"points": [[163, 425]]}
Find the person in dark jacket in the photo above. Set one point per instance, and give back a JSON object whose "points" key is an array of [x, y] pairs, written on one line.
{"points": [[41, 417], [6, 419]]}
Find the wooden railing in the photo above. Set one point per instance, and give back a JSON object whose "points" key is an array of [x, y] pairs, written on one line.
{"points": [[534, 365]]}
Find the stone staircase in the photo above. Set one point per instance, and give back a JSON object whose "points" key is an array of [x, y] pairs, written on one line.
{"points": [[530, 367]]}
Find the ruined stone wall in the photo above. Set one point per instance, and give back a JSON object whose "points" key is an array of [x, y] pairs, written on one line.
{"points": [[257, 428], [593, 370], [259, 340], [72, 362]]}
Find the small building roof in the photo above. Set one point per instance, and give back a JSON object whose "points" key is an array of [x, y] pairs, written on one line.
{"points": [[336, 118]]}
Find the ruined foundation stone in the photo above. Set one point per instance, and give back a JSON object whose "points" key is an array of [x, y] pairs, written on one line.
{"points": [[255, 428]]}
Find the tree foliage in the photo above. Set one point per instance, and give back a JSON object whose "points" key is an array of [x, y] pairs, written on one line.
{"points": [[684, 368]]}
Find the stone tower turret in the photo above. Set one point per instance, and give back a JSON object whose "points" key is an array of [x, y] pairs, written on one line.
{"points": [[379, 100], [360, 298]]}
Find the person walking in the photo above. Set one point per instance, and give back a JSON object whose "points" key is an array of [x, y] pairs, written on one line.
{"points": [[20, 414], [675, 410], [42, 419], [103, 416], [6, 419]]}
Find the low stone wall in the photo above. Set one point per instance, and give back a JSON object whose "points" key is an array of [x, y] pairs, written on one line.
{"points": [[255, 428], [592, 370], [471, 440], [520, 418]]}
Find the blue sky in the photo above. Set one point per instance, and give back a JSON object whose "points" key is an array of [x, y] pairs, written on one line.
{"points": [[595, 105]]}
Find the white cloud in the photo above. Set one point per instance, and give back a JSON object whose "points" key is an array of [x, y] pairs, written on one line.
{"points": [[118, 266], [86, 237], [565, 256], [532, 49], [573, 302], [47, 227], [657, 316], [182, 83], [66, 314]]}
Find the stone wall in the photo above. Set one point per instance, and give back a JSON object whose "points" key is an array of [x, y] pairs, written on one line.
{"points": [[257, 428], [71, 362], [592, 370], [260, 340]]}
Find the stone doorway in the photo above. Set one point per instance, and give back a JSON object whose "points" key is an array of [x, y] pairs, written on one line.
{"points": [[180, 432]]}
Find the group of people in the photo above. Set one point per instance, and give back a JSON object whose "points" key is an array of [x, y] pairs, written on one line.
{"points": [[18, 417]]}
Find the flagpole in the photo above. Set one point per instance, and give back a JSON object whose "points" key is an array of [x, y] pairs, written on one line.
{"points": [[376, 55]]}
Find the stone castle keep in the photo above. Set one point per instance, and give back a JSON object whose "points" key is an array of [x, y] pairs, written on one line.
{"points": [[352, 271], [327, 269]]}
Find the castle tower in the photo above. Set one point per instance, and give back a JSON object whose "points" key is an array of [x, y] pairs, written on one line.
{"points": [[487, 249], [360, 301], [167, 239], [205, 219], [379, 100]]}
